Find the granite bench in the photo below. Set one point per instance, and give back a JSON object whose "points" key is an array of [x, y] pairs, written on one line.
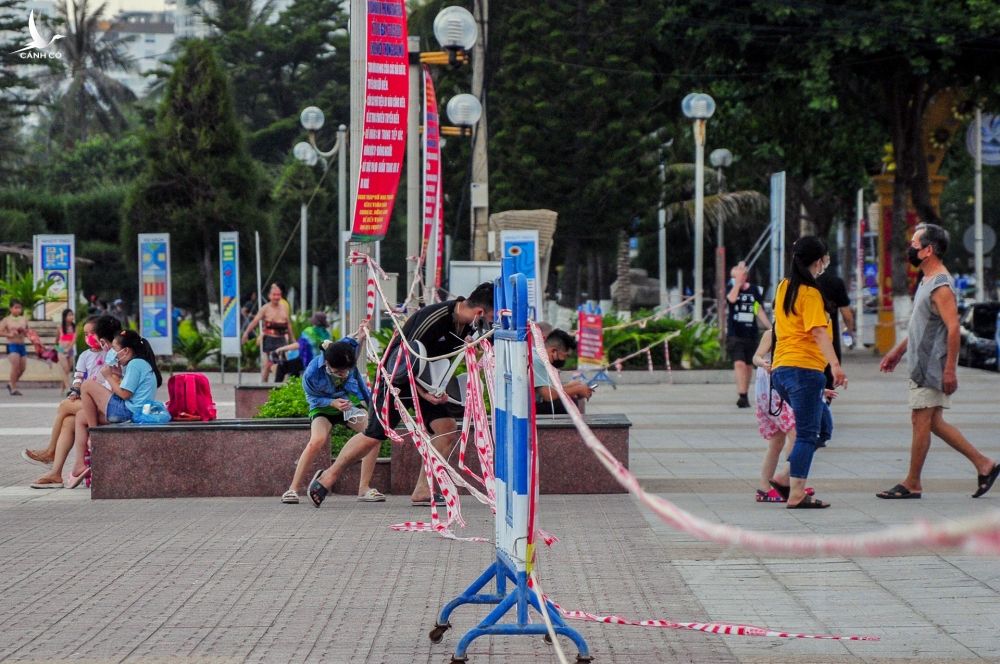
{"points": [[564, 464], [202, 459], [196, 459], [249, 398]]}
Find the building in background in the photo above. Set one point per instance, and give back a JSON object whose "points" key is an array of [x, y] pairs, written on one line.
{"points": [[150, 36]]}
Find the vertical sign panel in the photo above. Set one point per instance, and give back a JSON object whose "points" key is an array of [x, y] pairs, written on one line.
{"points": [[383, 138], [229, 293], [54, 259], [522, 246], [154, 291], [590, 349]]}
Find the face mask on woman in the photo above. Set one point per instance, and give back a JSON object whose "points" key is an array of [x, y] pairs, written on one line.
{"points": [[111, 359]]}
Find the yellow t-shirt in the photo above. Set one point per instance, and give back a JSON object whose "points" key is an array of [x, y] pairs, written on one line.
{"points": [[796, 345]]}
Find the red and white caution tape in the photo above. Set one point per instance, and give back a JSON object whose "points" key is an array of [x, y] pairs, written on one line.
{"points": [[979, 535]]}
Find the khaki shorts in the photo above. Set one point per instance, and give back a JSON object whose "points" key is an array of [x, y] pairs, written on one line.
{"points": [[927, 397]]}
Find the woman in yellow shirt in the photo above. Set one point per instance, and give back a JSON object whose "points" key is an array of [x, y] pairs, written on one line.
{"points": [[803, 348]]}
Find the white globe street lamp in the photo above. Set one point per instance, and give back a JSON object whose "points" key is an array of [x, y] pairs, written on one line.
{"points": [[464, 110], [312, 118], [699, 107], [455, 29]]}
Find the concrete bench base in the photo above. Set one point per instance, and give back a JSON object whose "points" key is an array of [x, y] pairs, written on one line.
{"points": [[564, 464], [203, 459], [257, 458]]}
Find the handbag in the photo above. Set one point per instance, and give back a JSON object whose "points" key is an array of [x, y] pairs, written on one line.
{"points": [[154, 412]]}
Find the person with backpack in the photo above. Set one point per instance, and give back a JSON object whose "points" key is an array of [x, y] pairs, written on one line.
{"points": [[337, 394], [803, 348], [130, 391]]}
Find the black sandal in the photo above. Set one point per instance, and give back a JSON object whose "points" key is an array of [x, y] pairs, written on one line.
{"points": [[986, 481], [783, 490], [317, 492], [898, 492], [808, 503]]}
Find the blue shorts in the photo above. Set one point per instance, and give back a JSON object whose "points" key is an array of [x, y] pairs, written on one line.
{"points": [[118, 411], [17, 349]]}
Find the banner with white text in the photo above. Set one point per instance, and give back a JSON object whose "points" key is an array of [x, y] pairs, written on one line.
{"points": [[383, 137]]}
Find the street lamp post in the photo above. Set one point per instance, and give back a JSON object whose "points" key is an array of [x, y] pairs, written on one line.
{"points": [[464, 110], [307, 155], [312, 120], [699, 107], [720, 159]]}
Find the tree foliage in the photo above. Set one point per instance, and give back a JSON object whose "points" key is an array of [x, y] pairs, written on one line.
{"points": [[198, 178]]}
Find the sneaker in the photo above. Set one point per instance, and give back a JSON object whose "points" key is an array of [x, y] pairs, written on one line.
{"points": [[743, 402]]}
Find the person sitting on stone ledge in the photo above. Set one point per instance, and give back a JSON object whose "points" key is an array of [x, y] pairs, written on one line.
{"points": [[337, 394], [99, 333], [558, 345], [130, 391]]}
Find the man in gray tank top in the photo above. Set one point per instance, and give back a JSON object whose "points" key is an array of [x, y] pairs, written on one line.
{"points": [[933, 339]]}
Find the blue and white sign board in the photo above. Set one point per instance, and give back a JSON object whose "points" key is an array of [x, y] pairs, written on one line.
{"points": [[55, 259], [777, 231], [990, 138], [522, 246], [154, 292], [512, 419], [229, 293]]}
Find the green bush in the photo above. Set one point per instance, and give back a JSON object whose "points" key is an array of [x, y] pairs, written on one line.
{"points": [[25, 289], [289, 400], [696, 345]]}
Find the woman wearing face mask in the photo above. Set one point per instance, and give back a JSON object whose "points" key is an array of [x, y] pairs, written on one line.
{"points": [[337, 395], [133, 389], [99, 333], [803, 349]]}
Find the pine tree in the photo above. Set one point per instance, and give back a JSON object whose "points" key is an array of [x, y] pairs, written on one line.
{"points": [[15, 86], [199, 178]]}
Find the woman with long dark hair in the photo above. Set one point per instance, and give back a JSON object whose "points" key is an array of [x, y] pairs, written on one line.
{"points": [[132, 389], [67, 345], [803, 348]]}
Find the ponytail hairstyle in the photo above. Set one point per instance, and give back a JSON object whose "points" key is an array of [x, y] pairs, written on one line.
{"points": [[807, 250], [339, 355], [140, 347]]}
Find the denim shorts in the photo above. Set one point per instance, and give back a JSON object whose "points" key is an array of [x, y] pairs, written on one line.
{"points": [[118, 411]]}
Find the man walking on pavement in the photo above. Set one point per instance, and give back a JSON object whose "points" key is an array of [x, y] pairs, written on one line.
{"points": [[933, 340], [746, 307]]}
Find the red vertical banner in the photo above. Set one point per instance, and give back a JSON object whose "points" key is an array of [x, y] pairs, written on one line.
{"points": [[383, 137], [590, 346], [433, 209]]}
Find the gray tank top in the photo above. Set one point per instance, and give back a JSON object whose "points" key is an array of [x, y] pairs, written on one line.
{"points": [[927, 342]]}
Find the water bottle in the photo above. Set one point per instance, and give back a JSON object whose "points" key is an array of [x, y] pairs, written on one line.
{"points": [[848, 340]]}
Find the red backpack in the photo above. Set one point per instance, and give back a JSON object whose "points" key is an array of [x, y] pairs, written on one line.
{"points": [[190, 397]]}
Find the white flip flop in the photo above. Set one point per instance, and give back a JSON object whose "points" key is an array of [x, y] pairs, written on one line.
{"points": [[290, 498], [372, 496]]}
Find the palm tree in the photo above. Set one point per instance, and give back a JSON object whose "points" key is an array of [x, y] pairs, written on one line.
{"points": [[87, 100]]}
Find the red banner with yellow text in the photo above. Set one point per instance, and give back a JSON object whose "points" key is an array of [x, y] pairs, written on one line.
{"points": [[383, 137]]}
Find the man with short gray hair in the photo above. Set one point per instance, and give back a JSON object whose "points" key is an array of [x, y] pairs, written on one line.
{"points": [[933, 340]]}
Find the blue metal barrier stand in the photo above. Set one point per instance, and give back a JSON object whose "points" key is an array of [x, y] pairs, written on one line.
{"points": [[513, 430]]}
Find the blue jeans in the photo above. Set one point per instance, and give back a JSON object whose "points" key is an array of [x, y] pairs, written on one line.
{"points": [[803, 390]]}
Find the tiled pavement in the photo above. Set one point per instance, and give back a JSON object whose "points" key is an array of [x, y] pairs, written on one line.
{"points": [[231, 580]]}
